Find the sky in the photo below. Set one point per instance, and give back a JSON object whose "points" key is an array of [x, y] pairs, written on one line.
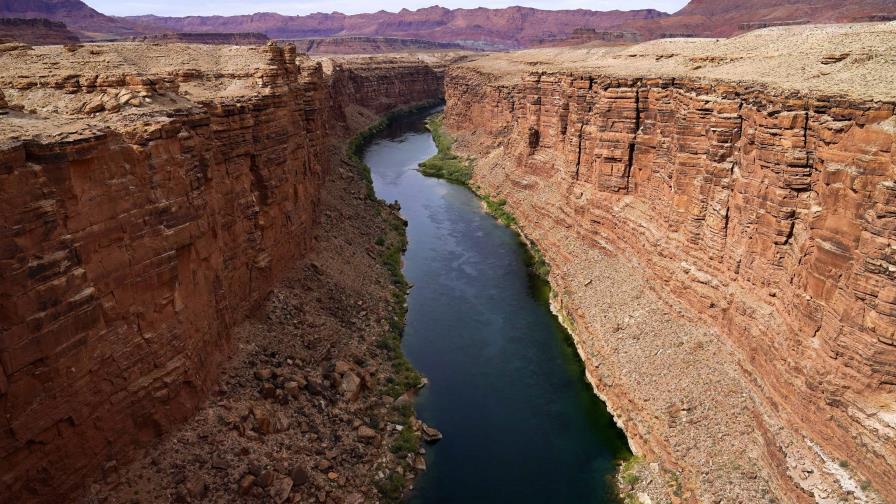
{"points": [[293, 7]]}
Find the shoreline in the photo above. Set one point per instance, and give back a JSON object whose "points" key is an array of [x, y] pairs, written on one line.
{"points": [[539, 268]]}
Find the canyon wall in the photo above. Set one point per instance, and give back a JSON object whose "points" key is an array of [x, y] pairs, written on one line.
{"points": [[764, 213], [151, 198], [363, 87]]}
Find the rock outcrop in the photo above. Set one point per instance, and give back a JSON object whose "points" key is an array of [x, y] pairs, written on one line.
{"points": [[724, 245], [151, 197]]}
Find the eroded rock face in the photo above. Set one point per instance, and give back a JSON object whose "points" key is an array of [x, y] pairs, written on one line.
{"points": [[376, 83], [770, 215], [151, 197], [129, 253]]}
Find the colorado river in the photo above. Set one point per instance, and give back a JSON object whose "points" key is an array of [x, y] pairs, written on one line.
{"points": [[507, 389]]}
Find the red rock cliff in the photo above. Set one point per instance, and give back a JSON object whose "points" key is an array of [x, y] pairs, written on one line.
{"points": [[765, 213], [151, 197]]}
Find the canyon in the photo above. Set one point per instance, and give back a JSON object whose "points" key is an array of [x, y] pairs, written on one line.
{"points": [[719, 218], [201, 299], [148, 191]]}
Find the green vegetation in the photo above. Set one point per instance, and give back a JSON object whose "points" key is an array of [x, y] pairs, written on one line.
{"points": [[627, 472], [630, 464], [675, 484], [407, 442], [445, 164], [497, 209], [536, 261], [391, 488], [404, 377], [843, 464]]}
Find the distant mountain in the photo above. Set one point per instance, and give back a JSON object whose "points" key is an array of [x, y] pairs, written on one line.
{"points": [[370, 45], [723, 18], [77, 16], [36, 31], [509, 28]]}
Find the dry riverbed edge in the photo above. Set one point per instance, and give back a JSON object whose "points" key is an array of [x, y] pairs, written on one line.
{"points": [[316, 404]]}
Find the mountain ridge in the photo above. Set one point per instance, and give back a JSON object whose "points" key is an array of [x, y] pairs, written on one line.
{"points": [[507, 28]]}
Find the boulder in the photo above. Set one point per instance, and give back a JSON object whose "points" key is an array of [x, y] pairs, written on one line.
{"points": [[279, 489], [350, 386], [245, 484], [429, 434], [365, 433], [299, 476]]}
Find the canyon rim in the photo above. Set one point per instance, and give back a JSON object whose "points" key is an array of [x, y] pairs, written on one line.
{"points": [[202, 298]]}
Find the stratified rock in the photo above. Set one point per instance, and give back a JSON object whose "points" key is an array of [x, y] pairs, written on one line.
{"points": [[270, 422], [35, 31]]}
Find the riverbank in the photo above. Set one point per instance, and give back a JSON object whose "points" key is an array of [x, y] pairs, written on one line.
{"points": [[447, 165]]}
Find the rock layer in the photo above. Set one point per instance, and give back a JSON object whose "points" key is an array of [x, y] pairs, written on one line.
{"points": [[767, 216], [151, 197]]}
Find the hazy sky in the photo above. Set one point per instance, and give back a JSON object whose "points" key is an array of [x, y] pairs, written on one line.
{"points": [[292, 7]]}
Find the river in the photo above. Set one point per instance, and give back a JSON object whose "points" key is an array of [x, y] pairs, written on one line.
{"points": [[507, 388]]}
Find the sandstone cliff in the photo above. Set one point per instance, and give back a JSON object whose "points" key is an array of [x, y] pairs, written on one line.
{"points": [[721, 221], [151, 197]]}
